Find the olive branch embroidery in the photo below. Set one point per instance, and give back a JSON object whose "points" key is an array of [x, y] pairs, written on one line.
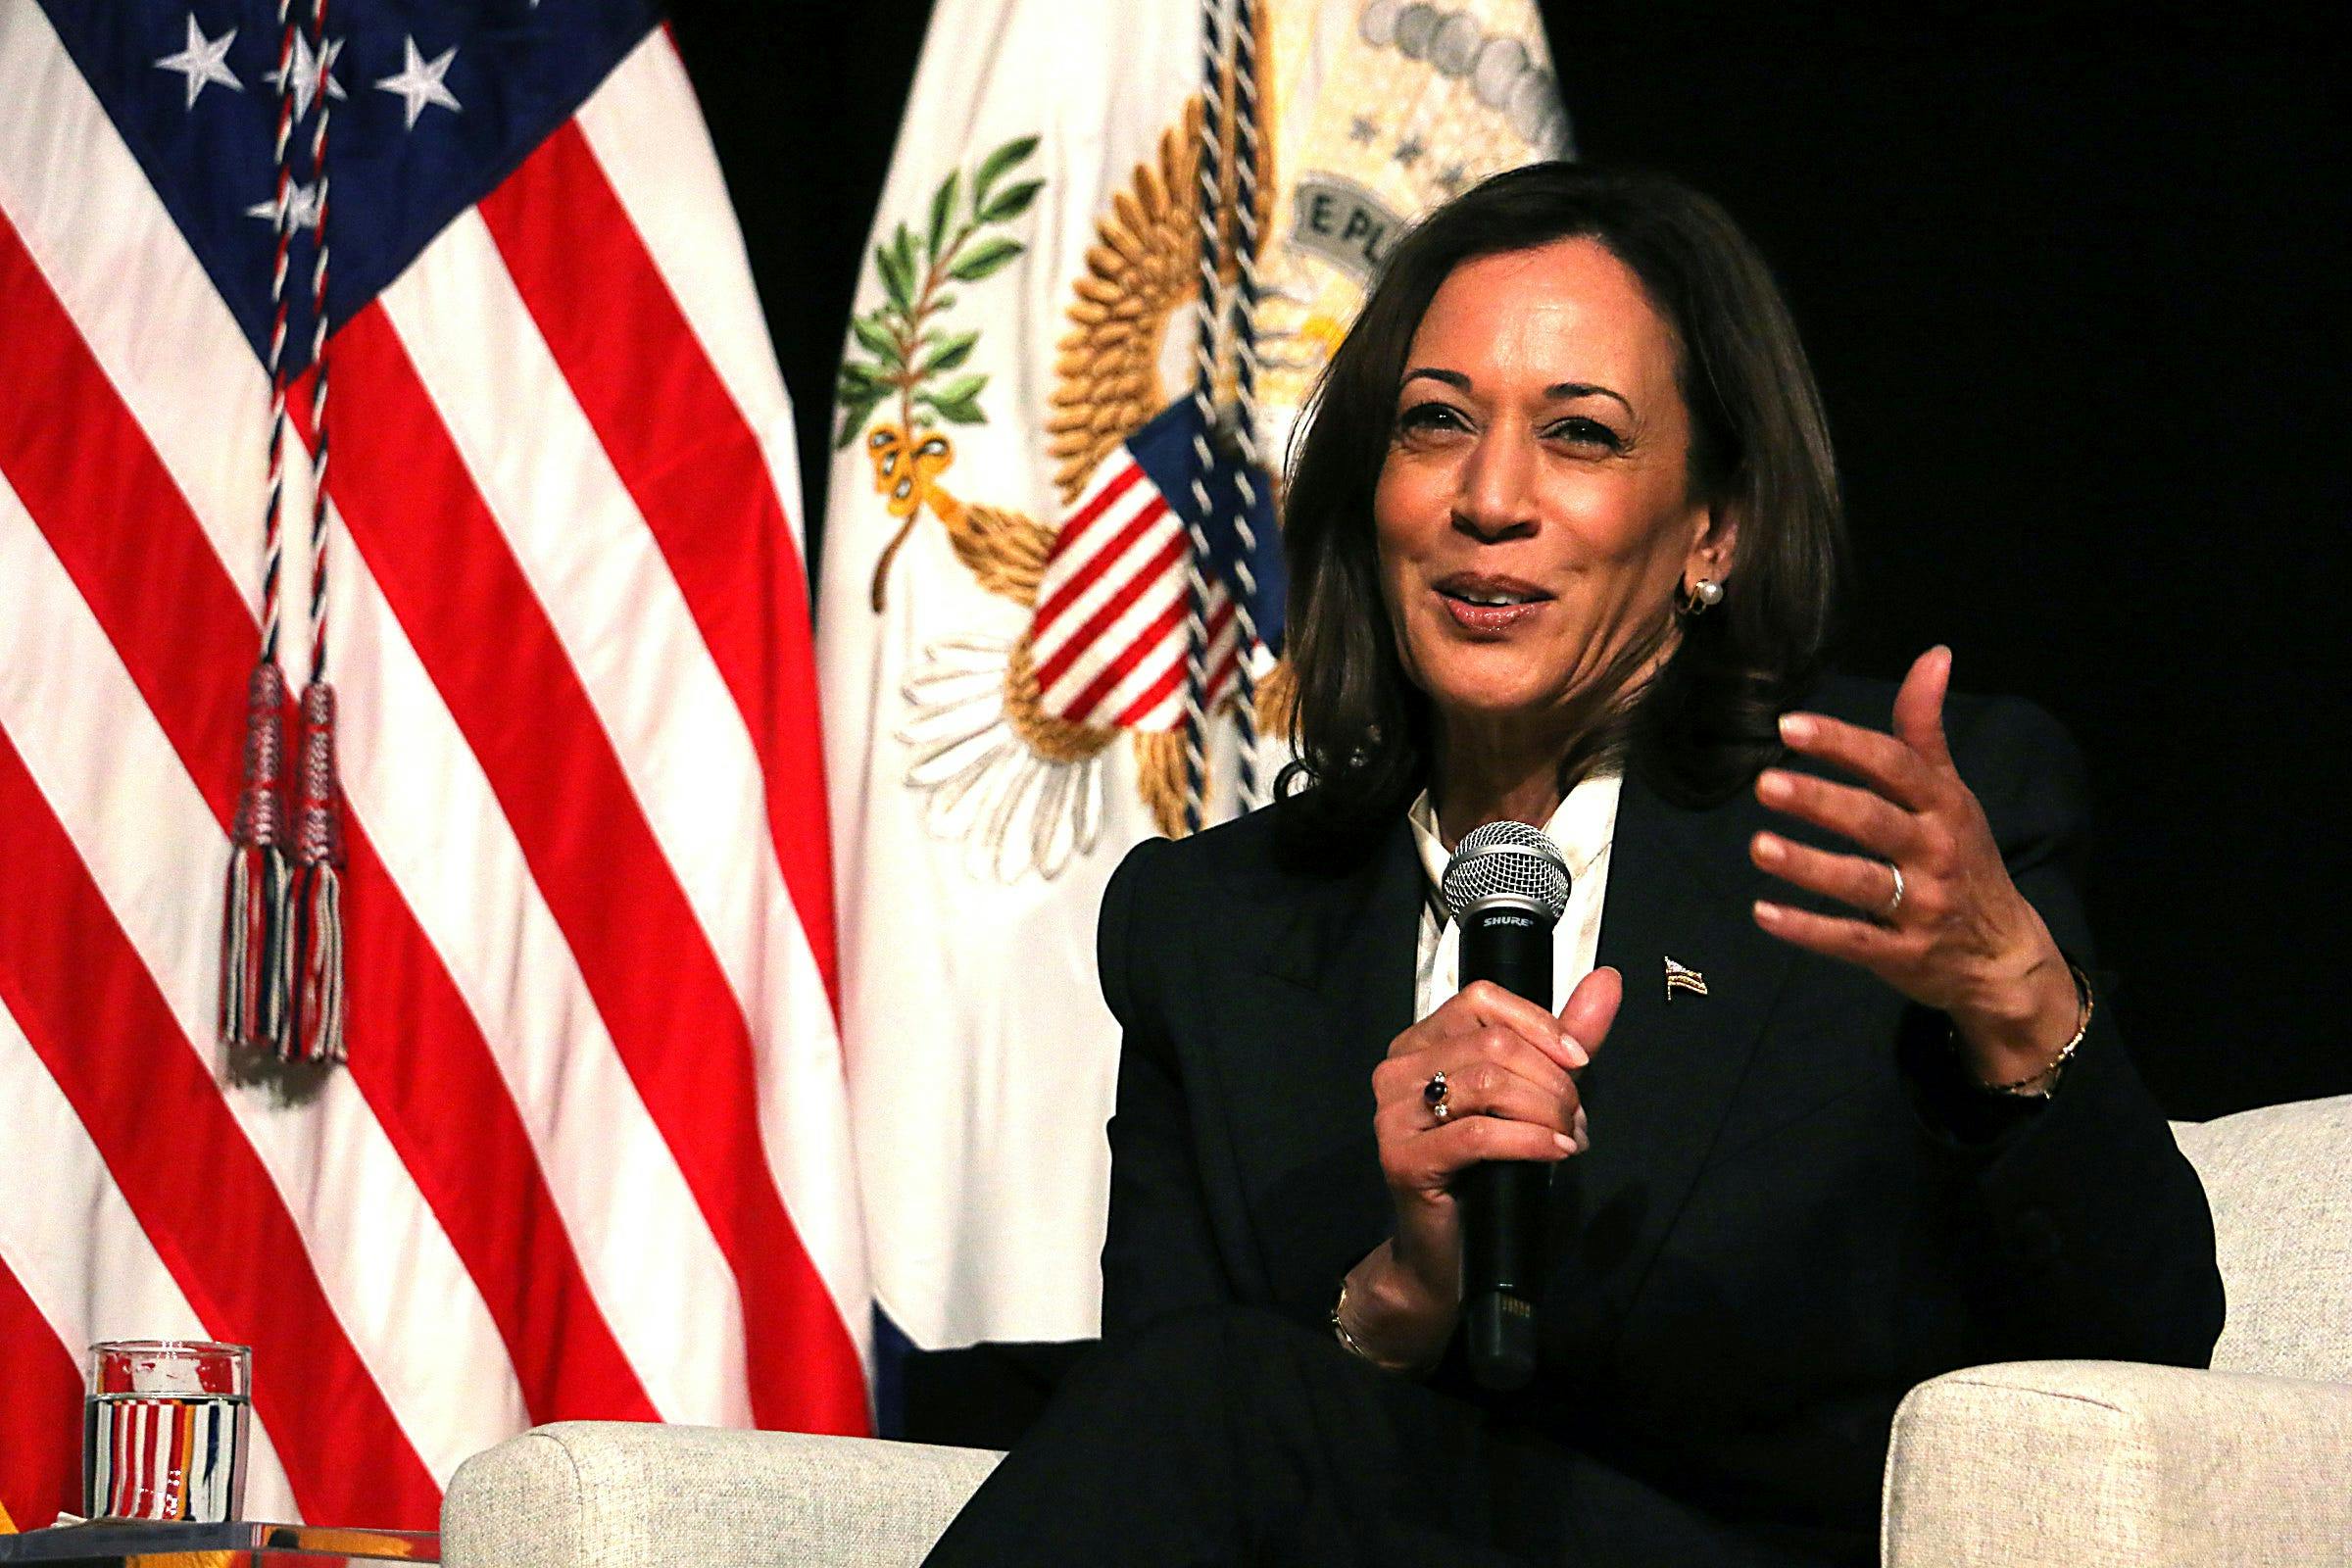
{"points": [[905, 352]]}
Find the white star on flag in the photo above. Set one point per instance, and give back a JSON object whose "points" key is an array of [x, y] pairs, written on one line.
{"points": [[308, 69], [419, 82], [301, 199], [202, 62]]}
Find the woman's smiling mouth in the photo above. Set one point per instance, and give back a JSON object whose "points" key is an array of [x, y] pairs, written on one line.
{"points": [[1483, 602]]}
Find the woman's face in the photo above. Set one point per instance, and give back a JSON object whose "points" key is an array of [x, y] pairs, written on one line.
{"points": [[1534, 514]]}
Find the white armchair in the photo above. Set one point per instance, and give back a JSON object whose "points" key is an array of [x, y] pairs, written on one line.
{"points": [[2067, 1464], [2083, 1464]]}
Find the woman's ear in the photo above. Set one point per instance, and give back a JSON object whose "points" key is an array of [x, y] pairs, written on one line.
{"points": [[1714, 545]]}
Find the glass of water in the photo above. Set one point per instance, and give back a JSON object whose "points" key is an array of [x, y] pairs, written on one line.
{"points": [[163, 1430]]}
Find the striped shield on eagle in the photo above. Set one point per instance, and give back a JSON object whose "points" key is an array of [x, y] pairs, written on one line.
{"points": [[1109, 636]]}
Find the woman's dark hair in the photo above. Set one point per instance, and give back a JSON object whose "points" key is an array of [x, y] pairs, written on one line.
{"points": [[1759, 447]]}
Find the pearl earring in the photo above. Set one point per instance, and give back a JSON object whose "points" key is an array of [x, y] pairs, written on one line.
{"points": [[1705, 594]]}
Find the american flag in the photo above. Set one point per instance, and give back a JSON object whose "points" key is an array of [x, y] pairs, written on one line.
{"points": [[589, 1156], [1109, 635]]}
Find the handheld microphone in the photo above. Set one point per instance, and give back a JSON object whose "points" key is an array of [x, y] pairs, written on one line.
{"points": [[1506, 888]]}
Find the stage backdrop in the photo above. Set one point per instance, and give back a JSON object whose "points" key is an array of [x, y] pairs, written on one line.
{"points": [[589, 1154], [1003, 604]]}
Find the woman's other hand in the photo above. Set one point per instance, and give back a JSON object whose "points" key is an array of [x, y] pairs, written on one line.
{"points": [[1509, 1093], [1942, 921]]}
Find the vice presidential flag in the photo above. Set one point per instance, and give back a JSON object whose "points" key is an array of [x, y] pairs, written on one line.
{"points": [[1018, 546], [588, 1157]]}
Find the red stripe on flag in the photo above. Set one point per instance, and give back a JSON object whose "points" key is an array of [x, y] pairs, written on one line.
{"points": [[451, 579], [1173, 676], [693, 466], [1079, 524], [1100, 562], [1148, 642], [95, 1018], [40, 1413], [1144, 576], [188, 638], [1075, 526]]}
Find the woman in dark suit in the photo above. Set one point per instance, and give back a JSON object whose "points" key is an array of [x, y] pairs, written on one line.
{"points": [[1829, 1101]]}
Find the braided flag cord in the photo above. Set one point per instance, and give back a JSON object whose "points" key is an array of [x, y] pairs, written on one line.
{"points": [[314, 1029], [1205, 408], [1245, 340], [256, 960], [1224, 80]]}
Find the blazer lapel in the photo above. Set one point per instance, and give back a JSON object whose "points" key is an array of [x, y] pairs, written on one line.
{"points": [[1680, 889], [1295, 1038], [1296, 1042]]}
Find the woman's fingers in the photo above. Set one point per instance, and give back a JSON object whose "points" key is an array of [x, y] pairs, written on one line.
{"points": [[1856, 879], [1480, 1069], [1510, 1087], [1889, 765], [1862, 942], [1591, 1009], [1919, 706], [1431, 1162], [1510, 1090], [1870, 819], [1481, 1005]]}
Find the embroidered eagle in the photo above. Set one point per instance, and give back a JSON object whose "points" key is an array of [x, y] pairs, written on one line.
{"points": [[1001, 768]]}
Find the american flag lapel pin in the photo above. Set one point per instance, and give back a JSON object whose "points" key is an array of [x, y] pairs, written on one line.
{"points": [[1682, 977]]}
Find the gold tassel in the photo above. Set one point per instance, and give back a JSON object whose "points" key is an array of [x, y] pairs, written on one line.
{"points": [[315, 1034], [253, 927]]}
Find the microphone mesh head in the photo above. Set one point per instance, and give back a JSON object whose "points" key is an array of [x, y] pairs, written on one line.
{"points": [[1505, 859]]}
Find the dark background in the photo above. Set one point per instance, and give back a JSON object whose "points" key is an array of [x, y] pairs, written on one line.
{"points": [[2074, 287]]}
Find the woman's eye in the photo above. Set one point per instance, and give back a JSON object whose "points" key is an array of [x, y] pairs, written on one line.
{"points": [[1423, 417], [1587, 432]]}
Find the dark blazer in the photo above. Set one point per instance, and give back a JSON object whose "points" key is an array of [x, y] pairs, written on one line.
{"points": [[1793, 1209]]}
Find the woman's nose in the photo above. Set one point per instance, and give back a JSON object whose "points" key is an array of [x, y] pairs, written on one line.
{"points": [[1497, 497]]}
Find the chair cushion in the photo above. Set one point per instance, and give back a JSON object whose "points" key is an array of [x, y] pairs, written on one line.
{"points": [[618, 1495], [2109, 1464], [2277, 1179]]}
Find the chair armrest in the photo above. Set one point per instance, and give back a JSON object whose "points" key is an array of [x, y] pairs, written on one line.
{"points": [[2084, 1464], [624, 1494]]}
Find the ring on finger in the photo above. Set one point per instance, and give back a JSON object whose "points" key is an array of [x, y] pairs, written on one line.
{"points": [[1433, 1094], [1894, 900]]}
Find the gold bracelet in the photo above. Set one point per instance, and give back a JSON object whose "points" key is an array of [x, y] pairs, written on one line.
{"points": [[1339, 1325], [1355, 1347], [2038, 1085]]}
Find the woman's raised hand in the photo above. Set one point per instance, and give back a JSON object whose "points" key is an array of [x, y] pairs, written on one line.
{"points": [[1942, 921], [1510, 1092]]}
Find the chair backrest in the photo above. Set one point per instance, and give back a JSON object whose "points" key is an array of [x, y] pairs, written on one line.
{"points": [[2279, 1180]]}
